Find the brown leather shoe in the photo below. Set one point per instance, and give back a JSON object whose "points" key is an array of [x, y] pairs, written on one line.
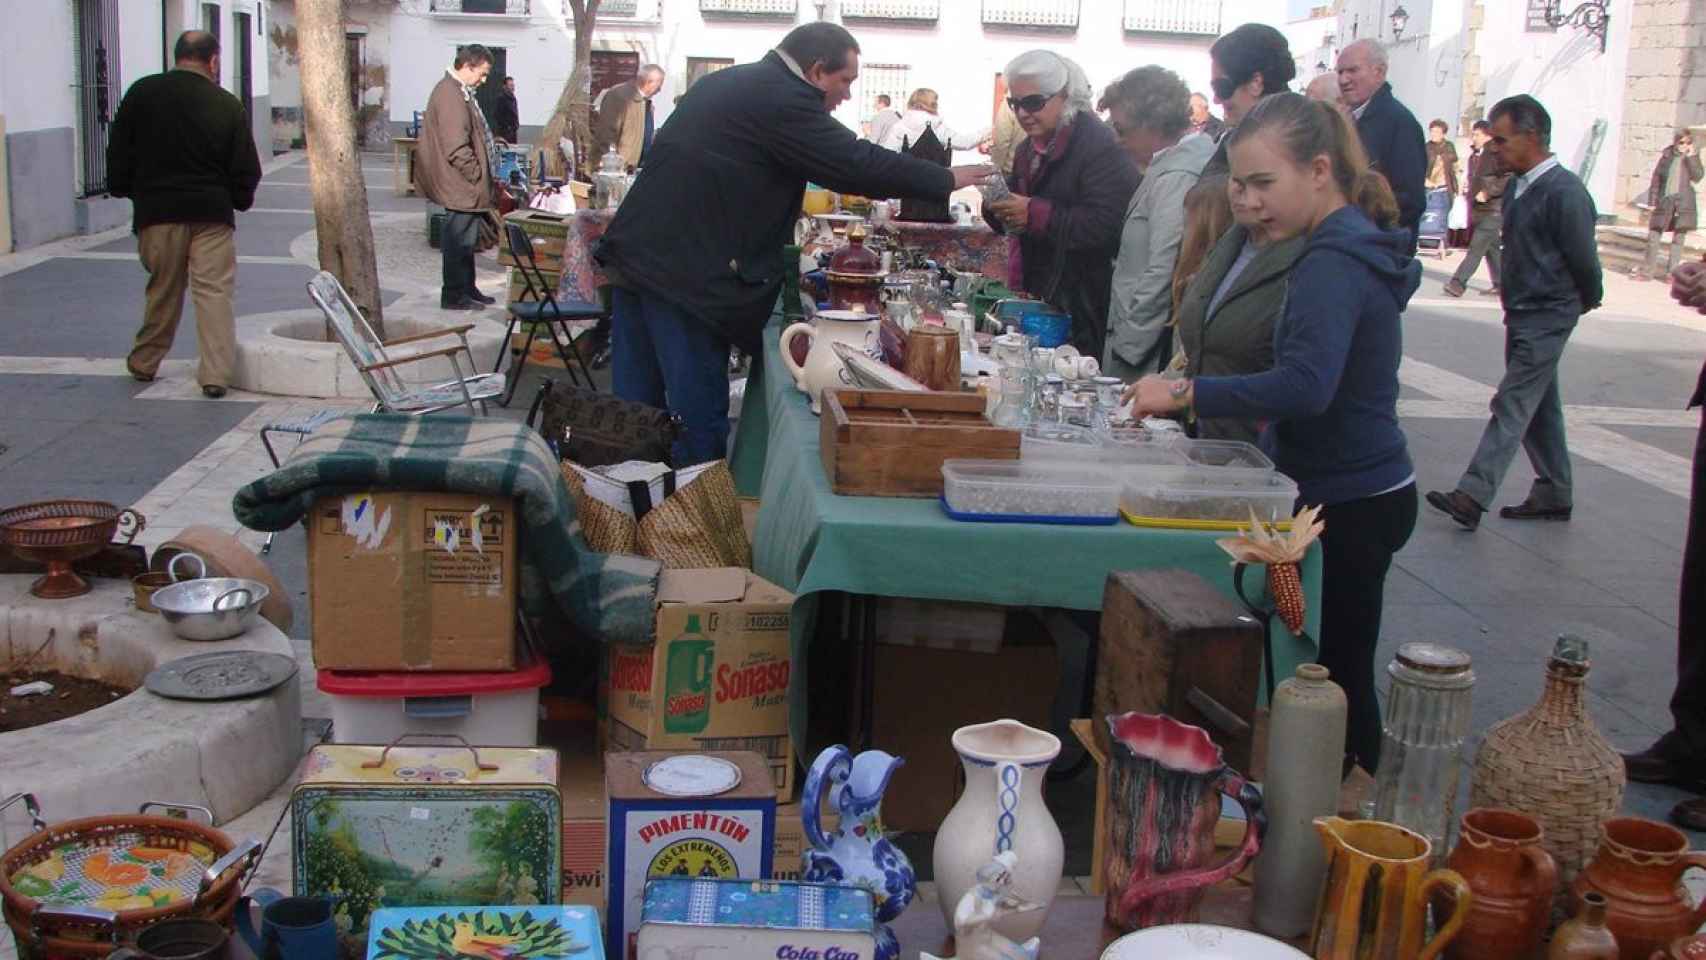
{"points": [[1658, 765], [1529, 510], [138, 375], [1458, 506], [1690, 814], [1454, 289]]}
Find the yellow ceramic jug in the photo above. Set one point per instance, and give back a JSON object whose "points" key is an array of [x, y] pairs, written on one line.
{"points": [[1375, 899]]}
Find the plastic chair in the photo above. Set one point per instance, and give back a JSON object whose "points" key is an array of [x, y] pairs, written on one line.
{"points": [[379, 369], [538, 306]]}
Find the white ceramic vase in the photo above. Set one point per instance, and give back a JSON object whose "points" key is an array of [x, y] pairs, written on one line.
{"points": [[1002, 809], [822, 367]]}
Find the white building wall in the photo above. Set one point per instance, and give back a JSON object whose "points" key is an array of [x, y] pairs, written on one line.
{"points": [[36, 65]]}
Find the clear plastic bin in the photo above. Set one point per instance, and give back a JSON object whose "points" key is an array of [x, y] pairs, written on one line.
{"points": [[1047, 440], [1031, 488], [1230, 461], [1207, 498]]}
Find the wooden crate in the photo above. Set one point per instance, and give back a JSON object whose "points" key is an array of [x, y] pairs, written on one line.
{"points": [[1171, 643], [517, 288], [891, 443], [547, 231]]}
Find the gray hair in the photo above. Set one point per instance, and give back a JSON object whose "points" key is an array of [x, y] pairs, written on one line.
{"points": [[650, 70], [1376, 53], [1053, 74]]}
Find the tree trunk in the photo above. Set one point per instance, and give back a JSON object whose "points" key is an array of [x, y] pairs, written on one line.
{"points": [[573, 112], [334, 163]]}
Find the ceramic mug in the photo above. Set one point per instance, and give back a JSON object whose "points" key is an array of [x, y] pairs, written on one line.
{"points": [[293, 928], [185, 938]]}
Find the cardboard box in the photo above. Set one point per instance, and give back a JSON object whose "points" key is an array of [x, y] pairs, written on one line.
{"points": [[791, 842], [546, 231], [413, 581], [517, 286], [924, 695], [940, 624], [717, 678], [582, 787]]}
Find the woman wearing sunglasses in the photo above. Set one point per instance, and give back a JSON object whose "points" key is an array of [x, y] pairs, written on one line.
{"points": [[1246, 65], [1071, 182]]}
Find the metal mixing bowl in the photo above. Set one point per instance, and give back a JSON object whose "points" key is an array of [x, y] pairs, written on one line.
{"points": [[211, 608]]}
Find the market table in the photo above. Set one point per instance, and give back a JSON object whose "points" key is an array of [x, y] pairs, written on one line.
{"points": [[810, 540], [946, 243], [403, 165]]}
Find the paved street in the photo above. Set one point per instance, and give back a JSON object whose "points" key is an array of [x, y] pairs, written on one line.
{"points": [[74, 425]]}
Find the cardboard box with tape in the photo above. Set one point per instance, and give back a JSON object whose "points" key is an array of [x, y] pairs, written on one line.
{"points": [[717, 678], [413, 581]]}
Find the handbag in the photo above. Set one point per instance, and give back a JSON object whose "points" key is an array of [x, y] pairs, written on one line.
{"points": [[597, 429], [488, 238], [686, 519]]}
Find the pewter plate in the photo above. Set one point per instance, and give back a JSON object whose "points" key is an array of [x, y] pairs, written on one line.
{"points": [[228, 675]]}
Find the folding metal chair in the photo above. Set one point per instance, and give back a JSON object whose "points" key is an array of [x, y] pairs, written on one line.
{"points": [[537, 307], [302, 427]]}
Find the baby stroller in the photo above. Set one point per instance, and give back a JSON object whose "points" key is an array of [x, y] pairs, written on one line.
{"points": [[1435, 222]]}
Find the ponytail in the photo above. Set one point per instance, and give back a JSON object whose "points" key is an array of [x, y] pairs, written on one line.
{"points": [[1310, 128]]}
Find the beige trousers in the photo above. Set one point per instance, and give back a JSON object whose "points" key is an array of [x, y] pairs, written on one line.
{"points": [[203, 257]]}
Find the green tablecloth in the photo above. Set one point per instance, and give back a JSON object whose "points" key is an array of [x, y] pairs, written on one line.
{"points": [[809, 539]]}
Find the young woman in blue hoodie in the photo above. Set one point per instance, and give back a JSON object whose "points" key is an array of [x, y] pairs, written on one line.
{"points": [[1331, 398]]}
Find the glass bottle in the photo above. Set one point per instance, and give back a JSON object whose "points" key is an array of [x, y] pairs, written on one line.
{"points": [[1421, 751]]}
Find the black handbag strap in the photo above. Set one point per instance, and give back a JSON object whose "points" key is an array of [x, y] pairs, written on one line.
{"points": [[640, 494]]}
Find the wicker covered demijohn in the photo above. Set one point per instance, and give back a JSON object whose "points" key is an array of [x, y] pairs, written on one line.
{"points": [[1551, 762]]}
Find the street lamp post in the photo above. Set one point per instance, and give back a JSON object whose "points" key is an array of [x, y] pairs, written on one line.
{"points": [[1591, 16]]}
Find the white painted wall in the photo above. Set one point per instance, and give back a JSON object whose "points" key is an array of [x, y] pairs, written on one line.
{"points": [[36, 65]]}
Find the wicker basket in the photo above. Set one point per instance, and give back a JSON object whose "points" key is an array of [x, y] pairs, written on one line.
{"points": [[52, 931], [1552, 763]]}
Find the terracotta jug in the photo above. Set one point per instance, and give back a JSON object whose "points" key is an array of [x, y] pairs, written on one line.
{"points": [[1585, 937], [1499, 853], [1638, 868], [1165, 780], [1688, 948], [1374, 904]]}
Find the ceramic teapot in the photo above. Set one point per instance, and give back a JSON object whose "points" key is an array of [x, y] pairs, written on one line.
{"points": [[822, 367], [858, 852]]}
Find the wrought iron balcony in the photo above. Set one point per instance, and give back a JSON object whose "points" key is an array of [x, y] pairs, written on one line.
{"points": [[619, 8], [927, 11], [750, 8], [481, 8], [1049, 14], [1192, 17]]}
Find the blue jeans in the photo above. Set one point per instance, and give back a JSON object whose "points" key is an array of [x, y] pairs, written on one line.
{"points": [[662, 356]]}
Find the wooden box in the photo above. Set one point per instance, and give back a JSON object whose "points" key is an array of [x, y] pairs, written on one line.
{"points": [[517, 288], [547, 231], [1171, 643], [891, 443]]}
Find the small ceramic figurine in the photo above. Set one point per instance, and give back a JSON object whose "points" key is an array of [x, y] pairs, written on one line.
{"points": [[989, 900]]}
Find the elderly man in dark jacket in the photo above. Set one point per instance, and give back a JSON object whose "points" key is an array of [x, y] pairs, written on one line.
{"points": [[1551, 277], [1396, 146], [694, 254], [181, 150]]}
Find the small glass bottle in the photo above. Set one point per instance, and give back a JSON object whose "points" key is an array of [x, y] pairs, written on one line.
{"points": [[1421, 751]]}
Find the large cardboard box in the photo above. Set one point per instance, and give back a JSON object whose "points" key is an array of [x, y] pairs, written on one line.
{"points": [[791, 844], [582, 787], [546, 231], [717, 678], [413, 581]]}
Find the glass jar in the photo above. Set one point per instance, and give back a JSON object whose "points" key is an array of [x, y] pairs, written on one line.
{"points": [[1013, 409], [1421, 750]]}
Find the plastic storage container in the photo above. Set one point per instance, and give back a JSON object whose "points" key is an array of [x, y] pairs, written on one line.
{"points": [[1037, 491], [498, 709], [1208, 500], [1229, 461]]}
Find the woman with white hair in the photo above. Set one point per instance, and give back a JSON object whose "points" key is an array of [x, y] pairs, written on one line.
{"points": [[1071, 182]]}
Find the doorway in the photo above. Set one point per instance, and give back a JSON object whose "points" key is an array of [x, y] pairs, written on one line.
{"points": [[242, 71], [487, 94], [96, 29], [611, 67]]}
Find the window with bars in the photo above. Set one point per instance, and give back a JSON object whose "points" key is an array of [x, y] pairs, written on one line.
{"points": [[750, 8], [699, 67], [882, 78], [1050, 14], [900, 10], [1193, 17]]}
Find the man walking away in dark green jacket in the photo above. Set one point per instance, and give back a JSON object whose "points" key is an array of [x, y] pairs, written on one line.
{"points": [[182, 151]]}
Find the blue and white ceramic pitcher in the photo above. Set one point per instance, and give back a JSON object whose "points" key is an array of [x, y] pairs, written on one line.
{"points": [[858, 852]]}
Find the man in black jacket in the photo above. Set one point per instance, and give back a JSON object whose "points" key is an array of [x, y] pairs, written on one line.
{"points": [[506, 114], [694, 254], [1485, 190], [1396, 146], [181, 150], [1551, 277]]}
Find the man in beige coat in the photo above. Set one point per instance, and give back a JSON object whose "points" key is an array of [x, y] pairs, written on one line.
{"points": [[625, 117], [454, 168]]}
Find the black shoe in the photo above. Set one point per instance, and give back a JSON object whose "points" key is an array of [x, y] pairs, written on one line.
{"points": [[601, 359], [469, 304], [212, 391], [1454, 289], [1457, 505], [1657, 765], [1529, 510], [477, 295], [1690, 814]]}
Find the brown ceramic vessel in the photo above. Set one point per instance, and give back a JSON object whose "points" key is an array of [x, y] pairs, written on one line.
{"points": [[1585, 937], [1499, 853], [1638, 868]]}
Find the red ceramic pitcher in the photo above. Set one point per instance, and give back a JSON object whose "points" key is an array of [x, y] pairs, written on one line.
{"points": [[1499, 853], [1165, 780], [1639, 868]]}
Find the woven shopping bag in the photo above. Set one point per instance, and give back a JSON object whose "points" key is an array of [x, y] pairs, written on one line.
{"points": [[685, 518]]}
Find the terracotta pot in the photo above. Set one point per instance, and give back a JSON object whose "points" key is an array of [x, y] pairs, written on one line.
{"points": [[1499, 853], [1638, 868], [1585, 937], [1688, 948]]}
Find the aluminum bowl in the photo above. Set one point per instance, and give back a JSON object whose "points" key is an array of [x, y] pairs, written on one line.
{"points": [[211, 608]]}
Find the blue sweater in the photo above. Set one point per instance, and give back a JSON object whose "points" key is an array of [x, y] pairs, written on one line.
{"points": [[1332, 395]]}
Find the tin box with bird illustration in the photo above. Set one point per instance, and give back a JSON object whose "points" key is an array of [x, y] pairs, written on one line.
{"points": [[484, 933], [425, 825]]}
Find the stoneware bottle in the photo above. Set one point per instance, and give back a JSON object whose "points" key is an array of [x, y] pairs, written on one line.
{"points": [[1306, 736], [1002, 809], [1499, 853], [1585, 937]]}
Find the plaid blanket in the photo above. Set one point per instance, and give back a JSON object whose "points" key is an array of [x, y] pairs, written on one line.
{"points": [[610, 596]]}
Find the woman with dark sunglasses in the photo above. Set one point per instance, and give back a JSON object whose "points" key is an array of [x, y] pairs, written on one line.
{"points": [[1246, 65], [1071, 182]]}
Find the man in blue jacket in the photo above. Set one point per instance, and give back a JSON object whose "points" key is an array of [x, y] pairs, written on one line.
{"points": [[1551, 276], [1396, 146], [694, 254]]}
